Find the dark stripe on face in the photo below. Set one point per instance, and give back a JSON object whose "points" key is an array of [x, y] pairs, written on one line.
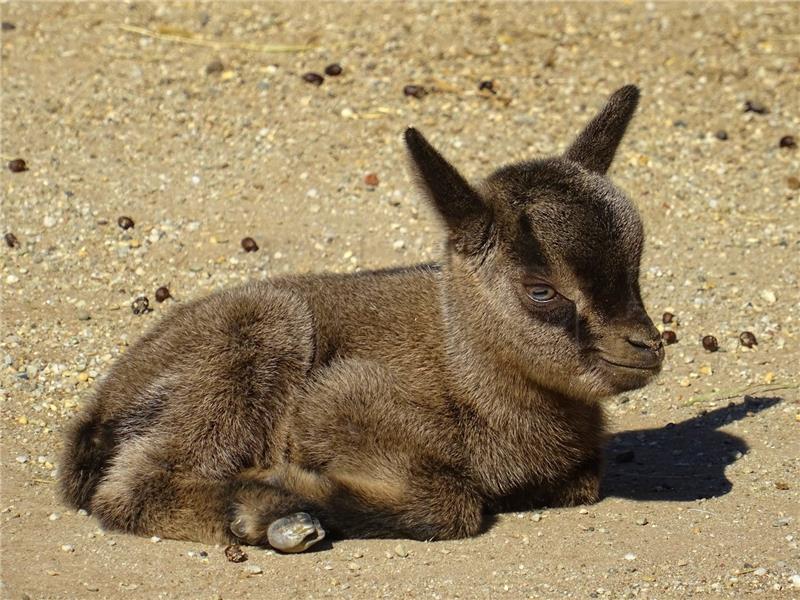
{"points": [[527, 248]]}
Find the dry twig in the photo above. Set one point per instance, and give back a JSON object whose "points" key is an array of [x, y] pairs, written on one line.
{"points": [[185, 37]]}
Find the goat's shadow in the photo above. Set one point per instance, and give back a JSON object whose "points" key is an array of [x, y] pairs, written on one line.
{"points": [[680, 461]]}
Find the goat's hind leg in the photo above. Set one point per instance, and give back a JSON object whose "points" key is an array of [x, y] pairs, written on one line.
{"points": [[145, 493]]}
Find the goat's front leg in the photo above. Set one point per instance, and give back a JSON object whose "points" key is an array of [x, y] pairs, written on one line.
{"points": [[291, 509]]}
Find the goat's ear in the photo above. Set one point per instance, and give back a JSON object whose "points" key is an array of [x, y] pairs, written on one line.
{"points": [[464, 212], [594, 148]]}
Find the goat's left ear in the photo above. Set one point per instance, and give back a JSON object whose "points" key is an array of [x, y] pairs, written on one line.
{"points": [[596, 145]]}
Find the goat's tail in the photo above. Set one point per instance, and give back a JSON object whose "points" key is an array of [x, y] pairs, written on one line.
{"points": [[88, 447]]}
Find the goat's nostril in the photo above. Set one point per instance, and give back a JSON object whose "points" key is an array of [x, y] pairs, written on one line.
{"points": [[646, 344]]}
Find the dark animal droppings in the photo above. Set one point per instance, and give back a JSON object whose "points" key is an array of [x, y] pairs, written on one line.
{"points": [[214, 67], [11, 240], [624, 457], [371, 179], [487, 85], [669, 337], [721, 135], [417, 91], [125, 222], [8, 26], [313, 78], [787, 141], [140, 305], [667, 318], [710, 343], [235, 554], [162, 294], [334, 70], [747, 339], [17, 165], [249, 244], [756, 107]]}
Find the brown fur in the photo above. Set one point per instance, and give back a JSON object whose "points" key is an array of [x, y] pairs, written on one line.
{"points": [[406, 402]]}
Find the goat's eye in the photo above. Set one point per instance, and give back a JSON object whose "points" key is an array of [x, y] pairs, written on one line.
{"points": [[541, 293]]}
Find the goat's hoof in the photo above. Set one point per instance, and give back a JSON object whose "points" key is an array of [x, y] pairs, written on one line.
{"points": [[295, 533], [239, 528]]}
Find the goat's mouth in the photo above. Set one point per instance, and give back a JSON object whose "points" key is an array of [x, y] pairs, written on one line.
{"points": [[652, 366]]}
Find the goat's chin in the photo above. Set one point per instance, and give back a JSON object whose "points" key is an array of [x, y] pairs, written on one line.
{"points": [[619, 380], [595, 384]]}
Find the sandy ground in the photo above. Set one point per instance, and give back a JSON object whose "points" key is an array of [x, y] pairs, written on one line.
{"points": [[701, 495]]}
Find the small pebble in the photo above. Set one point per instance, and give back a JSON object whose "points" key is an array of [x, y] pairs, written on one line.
{"points": [[760, 571], [253, 570], [401, 551], [669, 337], [84, 316], [162, 294], [11, 240], [710, 343], [82, 512], [536, 517], [125, 222], [747, 339], [630, 556], [768, 296], [234, 553], [667, 318], [54, 516], [642, 521], [8, 26], [249, 244], [155, 539], [313, 78], [17, 165], [787, 141], [68, 548], [333, 69], [23, 458], [140, 305], [417, 91], [721, 135], [215, 67], [793, 182], [371, 179], [583, 511], [755, 107]]}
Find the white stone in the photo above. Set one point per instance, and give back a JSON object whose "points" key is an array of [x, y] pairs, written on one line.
{"points": [[769, 296]]}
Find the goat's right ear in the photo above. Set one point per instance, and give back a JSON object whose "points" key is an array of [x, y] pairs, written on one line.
{"points": [[465, 213]]}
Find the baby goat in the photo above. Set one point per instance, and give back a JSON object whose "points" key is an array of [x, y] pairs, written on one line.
{"points": [[398, 403]]}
